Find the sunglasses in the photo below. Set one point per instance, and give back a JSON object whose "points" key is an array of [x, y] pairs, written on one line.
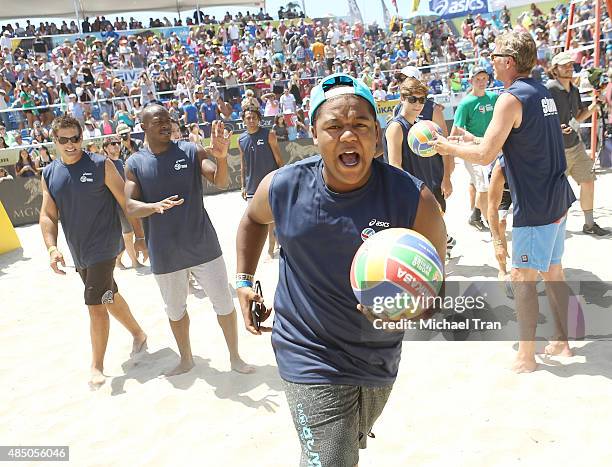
{"points": [[414, 99], [114, 143], [336, 81], [258, 310], [493, 55], [65, 140]]}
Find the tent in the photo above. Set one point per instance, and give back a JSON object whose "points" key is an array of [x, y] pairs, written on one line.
{"points": [[68, 8]]}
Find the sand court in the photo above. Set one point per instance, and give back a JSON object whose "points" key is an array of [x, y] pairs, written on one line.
{"points": [[454, 403]]}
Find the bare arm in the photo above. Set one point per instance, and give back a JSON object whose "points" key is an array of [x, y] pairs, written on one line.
{"points": [[506, 115], [219, 146], [136, 208], [496, 191], [273, 140], [447, 160], [429, 222], [394, 137], [48, 221], [250, 239]]}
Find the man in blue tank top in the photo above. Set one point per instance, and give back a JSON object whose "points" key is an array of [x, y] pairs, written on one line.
{"points": [[337, 369], [164, 186], [525, 125], [85, 191], [259, 155]]}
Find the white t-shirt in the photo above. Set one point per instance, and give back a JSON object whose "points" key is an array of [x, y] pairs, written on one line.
{"points": [[287, 101]]}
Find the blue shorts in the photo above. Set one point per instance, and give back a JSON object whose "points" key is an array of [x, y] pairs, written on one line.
{"points": [[538, 247]]}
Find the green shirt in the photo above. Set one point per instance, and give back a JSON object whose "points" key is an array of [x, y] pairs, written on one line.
{"points": [[475, 113]]}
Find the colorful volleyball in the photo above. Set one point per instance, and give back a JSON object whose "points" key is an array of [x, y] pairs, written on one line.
{"points": [[396, 273], [418, 136]]}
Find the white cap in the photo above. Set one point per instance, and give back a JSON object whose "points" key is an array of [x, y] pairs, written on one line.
{"points": [[411, 72]]}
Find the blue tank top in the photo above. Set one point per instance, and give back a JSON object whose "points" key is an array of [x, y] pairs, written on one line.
{"points": [[535, 158], [88, 210], [428, 169], [318, 335], [258, 158], [183, 236]]}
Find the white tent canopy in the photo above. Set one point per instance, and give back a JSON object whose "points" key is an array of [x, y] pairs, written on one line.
{"points": [[66, 8]]}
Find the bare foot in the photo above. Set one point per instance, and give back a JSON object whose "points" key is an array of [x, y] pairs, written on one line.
{"points": [[560, 348], [240, 367], [524, 365], [181, 368], [97, 379], [139, 344]]}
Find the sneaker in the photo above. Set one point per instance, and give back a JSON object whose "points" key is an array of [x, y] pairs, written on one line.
{"points": [[595, 230], [450, 242], [478, 224]]}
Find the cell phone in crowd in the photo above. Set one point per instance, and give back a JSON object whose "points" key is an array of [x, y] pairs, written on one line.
{"points": [[258, 310]]}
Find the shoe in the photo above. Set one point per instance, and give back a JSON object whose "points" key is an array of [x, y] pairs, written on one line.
{"points": [[595, 230], [478, 224], [450, 242]]}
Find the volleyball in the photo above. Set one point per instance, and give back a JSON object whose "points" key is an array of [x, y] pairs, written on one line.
{"points": [[418, 136], [395, 272]]}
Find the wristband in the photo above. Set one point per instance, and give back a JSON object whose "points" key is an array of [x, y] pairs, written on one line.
{"points": [[243, 283], [52, 248], [139, 238], [244, 277], [497, 242]]}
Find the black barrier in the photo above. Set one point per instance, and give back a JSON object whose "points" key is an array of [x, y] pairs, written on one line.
{"points": [[291, 151], [22, 198]]}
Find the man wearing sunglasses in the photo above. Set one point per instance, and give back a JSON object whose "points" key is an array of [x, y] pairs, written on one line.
{"points": [[88, 192], [526, 125], [164, 186], [337, 369]]}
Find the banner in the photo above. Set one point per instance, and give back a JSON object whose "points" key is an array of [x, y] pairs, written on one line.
{"points": [[22, 198], [386, 14], [128, 75], [454, 8], [354, 12]]}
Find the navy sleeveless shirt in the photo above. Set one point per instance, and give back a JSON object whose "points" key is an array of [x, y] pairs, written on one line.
{"points": [[535, 158], [183, 236], [318, 334], [88, 210], [258, 158], [428, 169]]}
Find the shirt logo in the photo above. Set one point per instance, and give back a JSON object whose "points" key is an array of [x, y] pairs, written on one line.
{"points": [[367, 233], [260, 142], [525, 259], [180, 164], [549, 107], [86, 177], [375, 223]]}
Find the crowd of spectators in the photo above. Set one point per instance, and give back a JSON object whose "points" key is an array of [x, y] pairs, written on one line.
{"points": [[243, 61]]}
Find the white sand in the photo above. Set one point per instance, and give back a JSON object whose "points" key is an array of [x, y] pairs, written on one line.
{"points": [[454, 404]]}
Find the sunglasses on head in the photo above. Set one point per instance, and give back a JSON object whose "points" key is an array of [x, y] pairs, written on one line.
{"points": [[258, 310], [65, 140], [414, 99], [336, 81]]}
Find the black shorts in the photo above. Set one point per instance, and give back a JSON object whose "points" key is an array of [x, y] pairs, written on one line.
{"points": [[100, 287], [437, 192], [506, 201]]}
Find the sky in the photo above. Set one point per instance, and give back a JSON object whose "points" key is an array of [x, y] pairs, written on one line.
{"points": [[371, 10]]}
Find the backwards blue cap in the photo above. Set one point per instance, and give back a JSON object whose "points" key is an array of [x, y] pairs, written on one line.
{"points": [[336, 85]]}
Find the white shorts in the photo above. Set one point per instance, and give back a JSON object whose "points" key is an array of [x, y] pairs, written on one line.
{"points": [[479, 176], [211, 276]]}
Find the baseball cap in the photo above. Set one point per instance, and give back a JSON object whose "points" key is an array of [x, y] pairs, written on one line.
{"points": [[561, 59], [476, 70], [411, 72], [122, 128], [336, 85]]}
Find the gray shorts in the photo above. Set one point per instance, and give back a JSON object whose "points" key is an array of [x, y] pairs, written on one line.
{"points": [[478, 176], [333, 421], [211, 276]]}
